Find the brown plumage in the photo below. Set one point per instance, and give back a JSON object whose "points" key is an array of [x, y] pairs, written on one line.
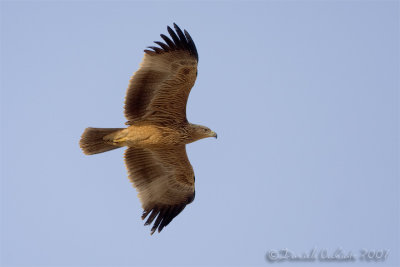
{"points": [[158, 130]]}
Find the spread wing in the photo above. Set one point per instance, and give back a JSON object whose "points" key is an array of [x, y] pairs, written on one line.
{"points": [[164, 179], [159, 90]]}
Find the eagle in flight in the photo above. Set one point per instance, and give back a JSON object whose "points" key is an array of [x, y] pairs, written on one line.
{"points": [[158, 130]]}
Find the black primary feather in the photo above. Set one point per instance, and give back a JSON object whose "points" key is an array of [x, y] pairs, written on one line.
{"points": [[169, 42], [163, 46], [192, 46], [156, 49], [182, 37], [174, 37]]}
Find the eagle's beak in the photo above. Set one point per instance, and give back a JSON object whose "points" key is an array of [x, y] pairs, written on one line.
{"points": [[214, 134]]}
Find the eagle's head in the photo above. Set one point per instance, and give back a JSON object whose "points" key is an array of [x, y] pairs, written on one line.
{"points": [[198, 132]]}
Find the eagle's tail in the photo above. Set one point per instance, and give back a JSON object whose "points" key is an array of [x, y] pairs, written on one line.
{"points": [[93, 142]]}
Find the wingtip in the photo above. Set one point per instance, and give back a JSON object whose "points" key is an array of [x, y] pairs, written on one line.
{"points": [[181, 40], [144, 214], [153, 230], [176, 27]]}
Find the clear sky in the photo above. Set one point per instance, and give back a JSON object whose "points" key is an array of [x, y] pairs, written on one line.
{"points": [[304, 97]]}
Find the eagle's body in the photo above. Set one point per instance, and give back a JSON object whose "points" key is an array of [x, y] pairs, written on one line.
{"points": [[158, 130], [147, 135]]}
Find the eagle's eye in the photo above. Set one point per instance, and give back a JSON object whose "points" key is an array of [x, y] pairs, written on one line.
{"points": [[205, 130]]}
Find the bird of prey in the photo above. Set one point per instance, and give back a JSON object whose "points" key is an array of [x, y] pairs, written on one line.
{"points": [[158, 130]]}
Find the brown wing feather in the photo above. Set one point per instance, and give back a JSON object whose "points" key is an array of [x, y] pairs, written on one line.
{"points": [[164, 179], [159, 90]]}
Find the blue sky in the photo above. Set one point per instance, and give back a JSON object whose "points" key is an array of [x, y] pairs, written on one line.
{"points": [[303, 96]]}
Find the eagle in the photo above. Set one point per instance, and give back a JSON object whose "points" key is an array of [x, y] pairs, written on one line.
{"points": [[158, 129]]}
